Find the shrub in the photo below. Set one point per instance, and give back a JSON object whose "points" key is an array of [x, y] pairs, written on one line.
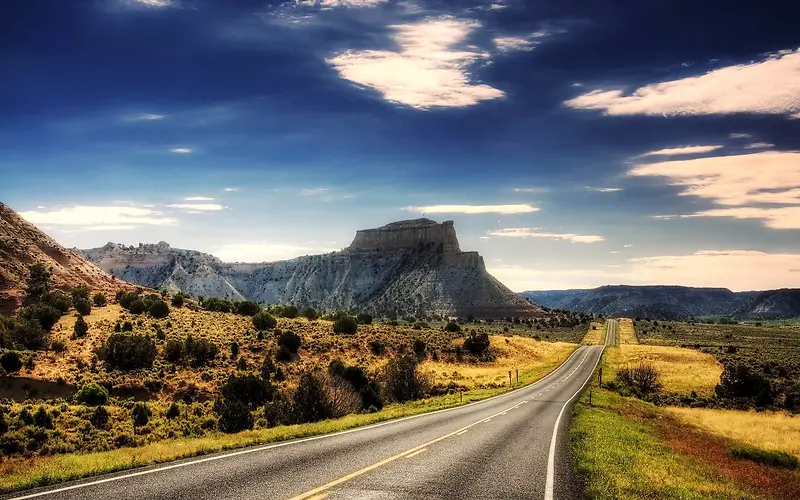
{"points": [[99, 300], [477, 343], [376, 347], [264, 321], [402, 381], [364, 319], [774, 458], [267, 368], [200, 352], [129, 351], [58, 346], [355, 376], [234, 417], [346, 325], [284, 354], [336, 368], [10, 361], [173, 351], [289, 311], [3, 423], [174, 411], [141, 414], [127, 327], [217, 305], [81, 292], [83, 307], [342, 399], [370, 395], [452, 327], [92, 394], [310, 399], [42, 418], [419, 347], [641, 379], [81, 328], [137, 306], [310, 313], [249, 390], [247, 308], [47, 316], [291, 341], [100, 417], [159, 309], [58, 300], [234, 350], [177, 300], [241, 365], [739, 380], [28, 334]]}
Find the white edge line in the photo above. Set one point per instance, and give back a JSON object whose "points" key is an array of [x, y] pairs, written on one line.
{"points": [[285, 443], [548, 488]]}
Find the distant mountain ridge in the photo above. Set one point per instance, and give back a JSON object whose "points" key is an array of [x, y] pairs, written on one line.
{"points": [[672, 302], [413, 267]]}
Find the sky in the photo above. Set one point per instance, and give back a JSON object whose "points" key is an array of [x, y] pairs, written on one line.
{"points": [[574, 143]]}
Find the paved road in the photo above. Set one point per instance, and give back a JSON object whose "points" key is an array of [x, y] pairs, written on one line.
{"points": [[504, 447]]}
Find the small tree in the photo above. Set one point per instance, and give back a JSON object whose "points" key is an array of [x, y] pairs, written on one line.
{"points": [[310, 313], [452, 327], [264, 321], [92, 394], [137, 306], [177, 300], [419, 348], [10, 361], [247, 308], [310, 399], [174, 411], [46, 316], [99, 300], [83, 306], [364, 319], [100, 417], [42, 418], [141, 414], [249, 390], [81, 292], [402, 381], [345, 325], [477, 343], [159, 309], [289, 311], [125, 351], [38, 280], [81, 328], [291, 341], [234, 417], [173, 350]]}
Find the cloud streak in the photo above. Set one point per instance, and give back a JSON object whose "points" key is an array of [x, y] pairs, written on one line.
{"points": [[771, 86], [684, 150], [475, 209], [527, 232], [99, 218]]}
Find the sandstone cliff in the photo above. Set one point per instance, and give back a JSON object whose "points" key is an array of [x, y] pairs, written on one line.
{"points": [[404, 268]]}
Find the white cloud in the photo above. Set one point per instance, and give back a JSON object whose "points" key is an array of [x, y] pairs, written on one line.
{"points": [[524, 43], [603, 189], [264, 252], [198, 206], [182, 151], [528, 232], [198, 198], [760, 145], [627, 246], [230, 190], [430, 69], [99, 217], [740, 136], [739, 183], [145, 117], [154, 3], [531, 190], [474, 209], [683, 150], [796, 116], [350, 3], [314, 191], [771, 86]]}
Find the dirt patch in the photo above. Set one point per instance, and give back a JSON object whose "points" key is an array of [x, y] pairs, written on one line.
{"points": [[21, 388]]}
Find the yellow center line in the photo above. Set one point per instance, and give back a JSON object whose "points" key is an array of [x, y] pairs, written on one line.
{"points": [[310, 495], [462, 432], [417, 452], [321, 496]]}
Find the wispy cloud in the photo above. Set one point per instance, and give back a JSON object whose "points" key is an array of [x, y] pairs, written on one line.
{"points": [[99, 217], [429, 69], [330, 4], [528, 232], [741, 184], [474, 209], [771, 86], [531, 190], [145, 117], [524, 43], [760, 145], [627, 246], [198, 198], [739, 135], [604, 189], [684, 150], [314, 191], [182, 151], [206, 207], [230, 190]]}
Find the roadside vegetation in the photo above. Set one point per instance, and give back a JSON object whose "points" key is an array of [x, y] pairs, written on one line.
{"points": [[662, 424], [145, 377], [596, 334]]}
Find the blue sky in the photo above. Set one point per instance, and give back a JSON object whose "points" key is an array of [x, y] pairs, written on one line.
{"points": [[573, 143]]}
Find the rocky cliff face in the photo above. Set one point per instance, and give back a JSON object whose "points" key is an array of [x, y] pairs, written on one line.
{"points": [[404, 268]]}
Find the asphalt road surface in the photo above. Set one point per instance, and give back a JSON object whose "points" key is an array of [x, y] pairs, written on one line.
{"points": [[512, 446]]}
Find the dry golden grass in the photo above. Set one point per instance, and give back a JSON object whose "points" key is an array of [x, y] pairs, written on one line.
{"points": [[626, 332], [681, 370], [531, 357], [596, 334], [767, 430]]}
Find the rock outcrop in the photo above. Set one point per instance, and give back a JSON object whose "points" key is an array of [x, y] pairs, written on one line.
{"points": [[405, 268], [22, 244]]}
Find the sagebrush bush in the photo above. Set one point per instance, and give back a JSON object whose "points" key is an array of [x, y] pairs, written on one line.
{"points": [[264, 321], [452, 327], [92, 394], [81, 328], [345, 325], [141, 414], [291, 341], [83, 306], [124, 351], [99, 300], [642, 379], [159, 309]]}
